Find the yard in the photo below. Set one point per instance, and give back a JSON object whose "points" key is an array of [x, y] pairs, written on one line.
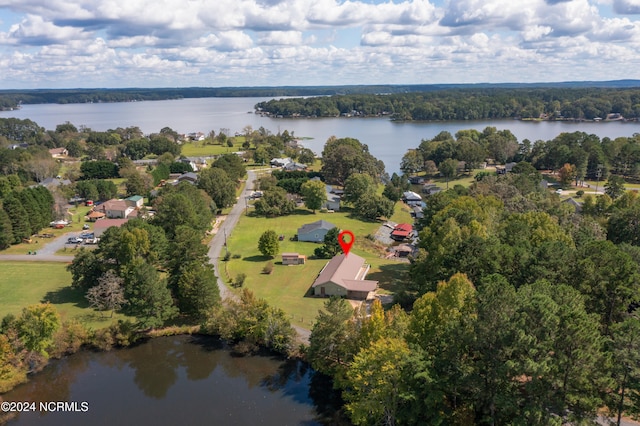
{"points": [[28, 283], [287, 286], [202, 149]]}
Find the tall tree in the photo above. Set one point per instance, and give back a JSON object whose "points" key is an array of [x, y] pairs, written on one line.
{"points": [[218, 185], [108, 295], [448, 168], [314, 194], [357, 186], [36, 326], [376, 386], [268, 243]]}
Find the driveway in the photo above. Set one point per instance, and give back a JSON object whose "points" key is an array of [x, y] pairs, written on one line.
{"points": [[224, 231], [45, 252]]}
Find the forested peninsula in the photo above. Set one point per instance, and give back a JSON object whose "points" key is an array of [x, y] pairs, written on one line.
{"points": [[479, 103]]}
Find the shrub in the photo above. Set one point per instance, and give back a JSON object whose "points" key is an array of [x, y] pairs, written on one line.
{"points": [[579, 193], [226, 257], [236, 256], [268, 268], [240, 279]]}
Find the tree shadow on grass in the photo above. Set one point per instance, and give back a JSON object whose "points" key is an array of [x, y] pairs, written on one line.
{"points": [[392, 277], [66, 295], [257, 258]]}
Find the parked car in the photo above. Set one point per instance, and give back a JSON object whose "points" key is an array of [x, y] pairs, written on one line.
{"points": [[74, 240], [85, 226]]}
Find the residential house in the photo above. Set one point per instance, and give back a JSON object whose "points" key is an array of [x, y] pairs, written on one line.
{"points": [[412, 199], [430, 188], [190, 177], [293, 259], [315, 231], [401, 231], [52, 183], [344, 276], [416, 180], [135, 201], [333, 199], [417, 213], [293, 166], [507, 168], [575, 204], [115, 209], [58, 152], [280, 162], [19, 145]]}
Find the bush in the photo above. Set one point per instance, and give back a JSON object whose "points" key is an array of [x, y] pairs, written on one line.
{"points": [[240, 279], [268, 268], [236, 256], [226, 257], [579, 193]]}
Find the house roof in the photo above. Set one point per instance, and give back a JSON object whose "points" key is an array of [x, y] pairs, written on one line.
{"points": [[57, 151], [54, 182], [114, 205], [188, 176], [347, 272], [402, 230], [95, 215], [412, 196], [313, 226]]}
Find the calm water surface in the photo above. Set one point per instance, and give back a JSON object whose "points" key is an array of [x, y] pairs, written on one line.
{"points": [[387, 140], [173, 381]]}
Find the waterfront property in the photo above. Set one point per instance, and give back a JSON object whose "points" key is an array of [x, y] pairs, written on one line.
{"points": [[344, 276]]}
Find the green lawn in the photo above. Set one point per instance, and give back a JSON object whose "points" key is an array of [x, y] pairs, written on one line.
{"points": [[201, 149], [28, 283], [287, 286]]}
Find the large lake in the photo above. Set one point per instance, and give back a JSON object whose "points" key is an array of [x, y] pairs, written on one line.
{"points": [[387, 140], [177, 381]]}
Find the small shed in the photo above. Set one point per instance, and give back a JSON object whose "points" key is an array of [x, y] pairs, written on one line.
{"points": [[293, 259]]}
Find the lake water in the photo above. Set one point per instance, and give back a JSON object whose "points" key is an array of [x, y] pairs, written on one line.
{"points": [[173, 381], [387, 140]]}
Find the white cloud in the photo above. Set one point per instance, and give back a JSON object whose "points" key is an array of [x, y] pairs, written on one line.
{"points": [[280, 38], [152, 42], [627, 7]]}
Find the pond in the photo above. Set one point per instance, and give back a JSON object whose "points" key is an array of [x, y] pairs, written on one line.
{"points": [[176, 380]]}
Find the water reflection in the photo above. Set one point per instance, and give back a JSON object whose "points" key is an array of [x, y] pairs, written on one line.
{"points": [[179, 380]]}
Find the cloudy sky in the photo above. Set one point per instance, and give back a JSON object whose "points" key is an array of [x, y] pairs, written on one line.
{"points": [[216, 43]]}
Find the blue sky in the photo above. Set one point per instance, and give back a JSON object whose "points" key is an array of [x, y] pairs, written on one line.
{"points": [[173, 43]]}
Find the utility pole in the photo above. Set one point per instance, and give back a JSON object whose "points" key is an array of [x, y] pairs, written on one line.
{"points": [[598, 174]]}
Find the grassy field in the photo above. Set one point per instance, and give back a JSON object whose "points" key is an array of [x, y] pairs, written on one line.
{"points": [[201, 149], [287, 286], [27, 283]]}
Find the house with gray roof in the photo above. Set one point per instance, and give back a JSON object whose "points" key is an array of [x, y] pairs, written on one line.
{"points": [[344, 276], [315, 231]]}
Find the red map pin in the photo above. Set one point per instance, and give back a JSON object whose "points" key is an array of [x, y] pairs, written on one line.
{"points": [[346, 245]]}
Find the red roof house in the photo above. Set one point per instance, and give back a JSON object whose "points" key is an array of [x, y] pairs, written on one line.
{"points": [[401, 231]]}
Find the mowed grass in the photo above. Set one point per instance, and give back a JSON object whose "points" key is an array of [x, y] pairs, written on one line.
{"points": [[203, 149], [27, 283], [287, 287]]}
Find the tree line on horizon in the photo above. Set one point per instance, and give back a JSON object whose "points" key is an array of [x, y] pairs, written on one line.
{"points": [[468, 104]]}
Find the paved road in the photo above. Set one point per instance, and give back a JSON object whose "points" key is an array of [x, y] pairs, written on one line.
{"points": [[224, 232]]}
